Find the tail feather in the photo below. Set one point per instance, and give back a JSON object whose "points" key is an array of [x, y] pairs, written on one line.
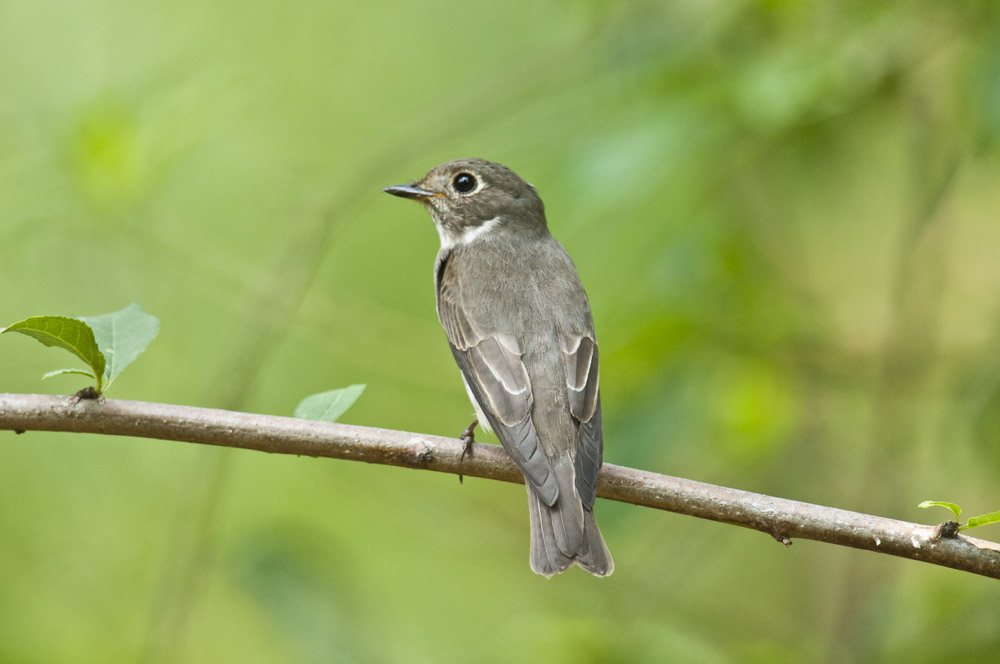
{"points": [[566, 512], [546, 559], [554, 528], [594, 556]]}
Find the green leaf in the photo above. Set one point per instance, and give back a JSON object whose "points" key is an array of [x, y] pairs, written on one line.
{"points": [[60, 372], [70, 334], [940, 503], [328, 406], [982, 520], [122, 336]]}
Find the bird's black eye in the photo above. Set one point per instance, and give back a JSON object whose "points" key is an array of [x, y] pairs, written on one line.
{"points": [[464, 183]]}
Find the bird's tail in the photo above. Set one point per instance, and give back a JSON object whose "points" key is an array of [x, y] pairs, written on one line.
{"points": [[565, 533]]}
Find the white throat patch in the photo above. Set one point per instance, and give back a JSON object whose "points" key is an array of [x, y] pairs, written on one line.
{"points": [[450, 240]]}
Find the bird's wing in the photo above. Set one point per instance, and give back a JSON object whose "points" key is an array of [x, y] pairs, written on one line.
{"points": [[496, 376], [580, 359]]}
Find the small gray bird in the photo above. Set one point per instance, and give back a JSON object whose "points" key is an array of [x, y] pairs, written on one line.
{"points": [[520, 328]]}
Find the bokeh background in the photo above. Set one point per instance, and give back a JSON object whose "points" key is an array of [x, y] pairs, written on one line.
{"points": [[786, 217]]}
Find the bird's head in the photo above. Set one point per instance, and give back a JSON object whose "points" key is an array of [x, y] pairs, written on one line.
{"points": [[472, 199]]}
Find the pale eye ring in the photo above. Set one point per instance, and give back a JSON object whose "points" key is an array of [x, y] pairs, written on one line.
{"points": [[465, 183]]}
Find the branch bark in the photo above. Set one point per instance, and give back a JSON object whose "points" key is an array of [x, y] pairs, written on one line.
{"points": [[780, 518]]}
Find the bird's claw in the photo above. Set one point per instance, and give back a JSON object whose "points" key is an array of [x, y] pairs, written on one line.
{"points": [[468, 437]]}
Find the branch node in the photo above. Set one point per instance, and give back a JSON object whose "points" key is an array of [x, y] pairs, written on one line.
{"points": [[779, 536], [87, 393], [421, 451], [773, 528], [946, 530]]}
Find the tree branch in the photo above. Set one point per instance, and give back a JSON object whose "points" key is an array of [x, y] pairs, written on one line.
{"points": [[780, 518]]}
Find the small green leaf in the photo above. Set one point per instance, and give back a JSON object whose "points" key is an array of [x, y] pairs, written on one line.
{"points": [[982, 520], [70, 334], [60, 372], [122, 336], [328, 406], [940, 503]]}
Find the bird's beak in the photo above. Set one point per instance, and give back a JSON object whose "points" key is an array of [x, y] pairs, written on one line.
{"points": [[409, 191]]}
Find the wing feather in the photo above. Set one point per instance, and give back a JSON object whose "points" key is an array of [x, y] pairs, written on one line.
{"points": [[495, 374], [580, 359]]}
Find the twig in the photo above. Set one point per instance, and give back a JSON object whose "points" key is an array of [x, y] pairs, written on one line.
{"points": [[780, 518]]}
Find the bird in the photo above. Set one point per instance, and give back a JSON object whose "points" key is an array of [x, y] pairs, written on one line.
{"points": [[522, 333]]}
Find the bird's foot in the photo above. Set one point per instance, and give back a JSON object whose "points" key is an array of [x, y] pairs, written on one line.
{"points": [[468, 437]]}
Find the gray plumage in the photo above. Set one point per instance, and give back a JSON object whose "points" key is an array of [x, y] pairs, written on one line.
{"points": [[520, 328]]}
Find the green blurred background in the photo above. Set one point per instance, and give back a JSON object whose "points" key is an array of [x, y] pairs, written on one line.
{"points": [[786, 217]]}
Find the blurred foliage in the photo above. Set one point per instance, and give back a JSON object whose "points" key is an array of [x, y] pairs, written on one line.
{"points": [[784, 214]]}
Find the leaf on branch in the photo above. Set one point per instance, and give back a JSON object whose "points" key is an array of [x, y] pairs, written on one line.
{"points": [[60, 372], [122, 336], [71, 334], [107, 343], [328, 406], [956, 510], [982, 520]]}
